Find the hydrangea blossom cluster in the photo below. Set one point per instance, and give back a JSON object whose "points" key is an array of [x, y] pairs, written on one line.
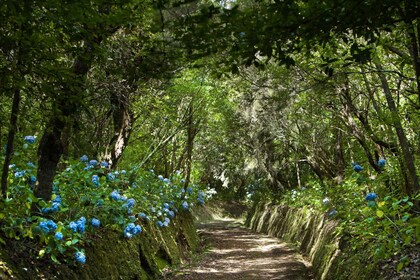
{"points": [[19, 174], [357, 167], [79, 225], [95, 223], [129, 204], [48, 226], [29, 139], [326, 201], [381, 163], [95, 180], [201, 197], [80, 257], [371, 196], [104, 164], [58, 235], [84, 158], [185, 205], [55, 206], [332, 213], [131, 230], [115, 195]]}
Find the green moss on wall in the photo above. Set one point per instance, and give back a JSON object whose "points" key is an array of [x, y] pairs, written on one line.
{"points": [[110, 255], [316, 237]]}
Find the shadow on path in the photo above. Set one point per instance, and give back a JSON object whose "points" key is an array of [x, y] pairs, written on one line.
{"points": [[238, 253]]}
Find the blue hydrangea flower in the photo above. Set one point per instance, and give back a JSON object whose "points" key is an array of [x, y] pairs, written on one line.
{"points": [[11, 166], [55, 207], [165, 205], [104, 164], [130, 202], [111, 176], [58, 235], [326, 201], [357, 168], [159, 224], [123, 172], [80, 257], [93, 162], [20, 174], [115, 195], [73, 226], [30, 164], [84, 158], [332, 213], [57, 199], [166, 181], [171, 214], [95, 180], [96, 223], [151, 171], [189, 190], [29, 139], [200, 200], [131, 229], [32, 180], [185, 205], [51, 225], [371, 196], [44, 226], [381, 162]]}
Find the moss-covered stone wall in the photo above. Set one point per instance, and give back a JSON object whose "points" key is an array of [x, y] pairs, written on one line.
{"points": [[316, 237], [311, 231], [111, 256]]}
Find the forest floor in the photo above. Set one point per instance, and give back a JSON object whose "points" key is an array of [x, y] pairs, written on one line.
{"points": [[234, 252]]}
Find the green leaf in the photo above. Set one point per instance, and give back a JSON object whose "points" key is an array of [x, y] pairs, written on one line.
{"points": [[400, 266], [379, 213]]}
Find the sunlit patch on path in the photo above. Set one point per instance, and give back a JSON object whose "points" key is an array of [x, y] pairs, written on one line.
{"points": [[238, 253]]}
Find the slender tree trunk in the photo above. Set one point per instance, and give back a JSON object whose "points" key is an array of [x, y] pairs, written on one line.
{"points": [[191, 133], [123, 118], [412, 181], [10, 140]]}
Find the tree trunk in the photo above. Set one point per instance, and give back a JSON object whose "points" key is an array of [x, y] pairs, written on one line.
{"points": [[10, 140], [65, 105], [412, 181], [123, 118]]}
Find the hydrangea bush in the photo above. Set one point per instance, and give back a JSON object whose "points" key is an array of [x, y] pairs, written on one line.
{"points": [[88, 197]]}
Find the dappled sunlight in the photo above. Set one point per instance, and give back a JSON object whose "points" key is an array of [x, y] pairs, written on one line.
{"points": [[239, 253]]}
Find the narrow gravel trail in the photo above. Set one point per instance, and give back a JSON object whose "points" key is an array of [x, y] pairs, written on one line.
{"points": [[238, 253]]}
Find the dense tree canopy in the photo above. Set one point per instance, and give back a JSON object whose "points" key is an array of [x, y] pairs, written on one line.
{"points": [[253, 98]]}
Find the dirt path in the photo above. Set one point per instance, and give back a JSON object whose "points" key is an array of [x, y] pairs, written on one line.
{"points": [[238, 253]]}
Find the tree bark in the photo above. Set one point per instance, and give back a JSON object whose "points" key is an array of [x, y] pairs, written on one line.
{"points": [[123, 118], [412, 181], [65, 106], [10, 141]]}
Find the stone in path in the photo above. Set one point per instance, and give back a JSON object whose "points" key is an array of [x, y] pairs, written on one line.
{"points": [[238, 253]]}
